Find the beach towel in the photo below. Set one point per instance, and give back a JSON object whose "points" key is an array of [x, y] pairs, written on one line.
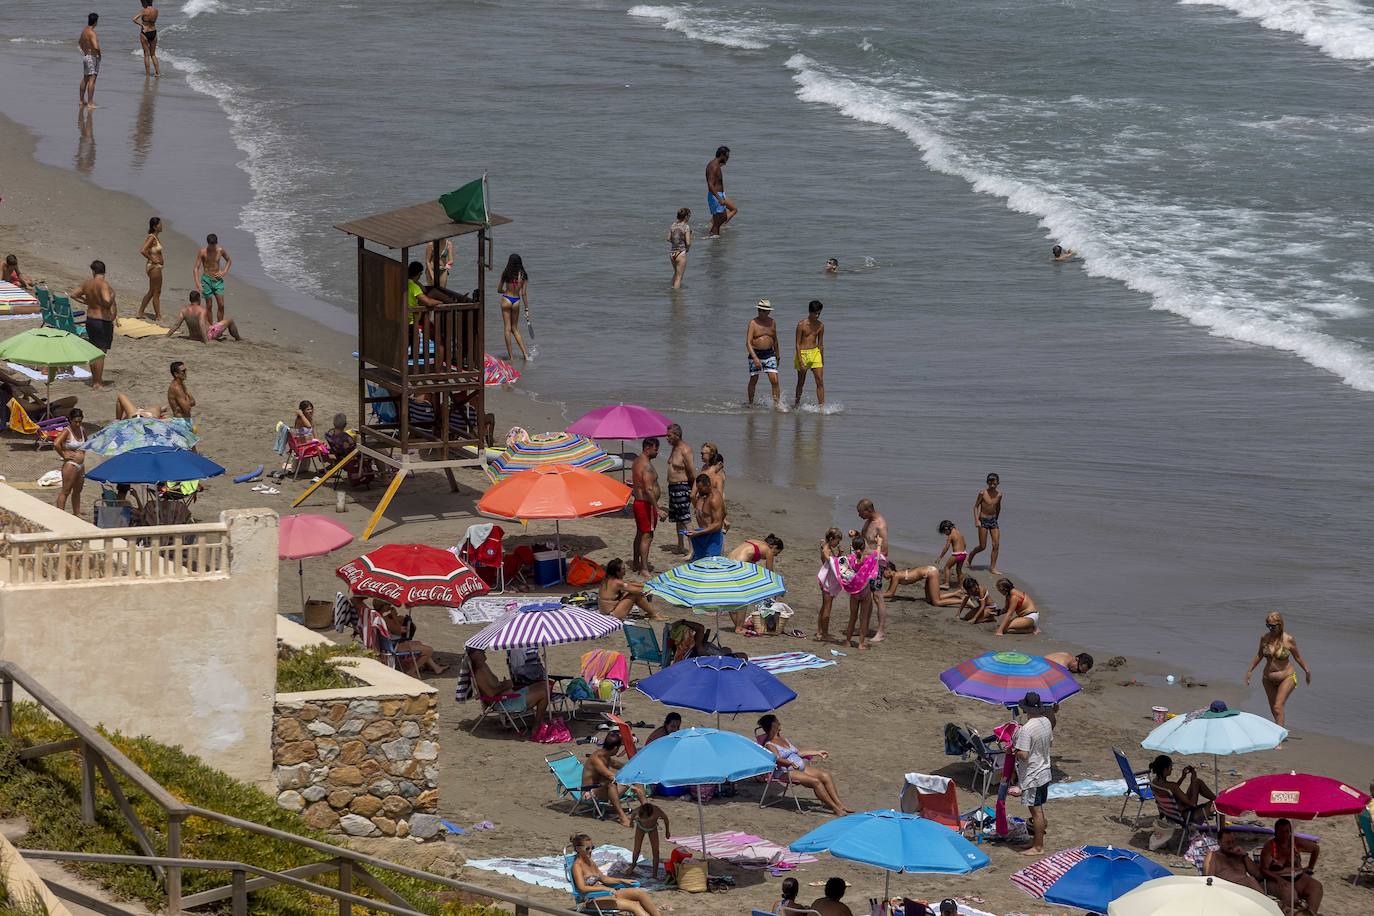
{"points": [[1038, 878], [785, 662], [139, 327], [547, 871], [487, 608], [604, 664], [41, 375], [854, 574], [742, 849], [7, 313], [283, 434], [1087, 788]]}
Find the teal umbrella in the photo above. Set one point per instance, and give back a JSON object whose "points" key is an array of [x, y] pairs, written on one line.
{"points": [[141, 432]]}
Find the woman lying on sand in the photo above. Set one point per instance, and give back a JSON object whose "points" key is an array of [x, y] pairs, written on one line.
{"points": [[930, 576], [589, 879], [792, 758]]}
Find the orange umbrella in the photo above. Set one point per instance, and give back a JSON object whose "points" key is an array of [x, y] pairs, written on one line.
{"points": [[554, 491]]}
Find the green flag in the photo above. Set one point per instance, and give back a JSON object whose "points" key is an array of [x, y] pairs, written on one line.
{"points": [[468, 204]]}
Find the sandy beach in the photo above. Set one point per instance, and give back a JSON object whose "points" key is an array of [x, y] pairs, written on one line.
{"points": [[880, 714]]}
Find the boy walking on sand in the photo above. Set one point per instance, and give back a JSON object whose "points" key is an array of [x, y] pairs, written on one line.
{"points": [[986, 510], [958, 553], [810, 352]]}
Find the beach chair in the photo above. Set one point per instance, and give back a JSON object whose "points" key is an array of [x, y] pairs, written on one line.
{"points": [[305, 452], [44, 298], [1137, 785], [599, 902], [63, 318], [567, 770], [935, 798], [988, 755], [488, 559], [44, 430], [1187, 820], [387, 646], [643, 645], [1364, 822], [627, 734], [464, 690], [780, 776]]}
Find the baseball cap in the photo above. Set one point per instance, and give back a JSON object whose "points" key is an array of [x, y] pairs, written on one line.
{"points": [[1031, 701], [948, 906]]}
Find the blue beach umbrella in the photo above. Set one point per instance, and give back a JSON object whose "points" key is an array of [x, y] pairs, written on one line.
{"points": [[895, 842], [141, 432], [717, 684], [1218, 731], [695, 757], [154, 464], [1103, 875]]}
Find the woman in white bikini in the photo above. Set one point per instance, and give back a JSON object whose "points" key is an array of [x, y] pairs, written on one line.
{"points": [[69, 447], [1020, 614], [152, 253], [1279, 650], [514, 290]]}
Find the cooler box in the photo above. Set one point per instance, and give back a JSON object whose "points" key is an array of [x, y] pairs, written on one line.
{"points": [[549, 567]]}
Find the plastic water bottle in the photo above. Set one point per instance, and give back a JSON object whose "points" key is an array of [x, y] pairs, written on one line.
{"points": [[1170, 679]]}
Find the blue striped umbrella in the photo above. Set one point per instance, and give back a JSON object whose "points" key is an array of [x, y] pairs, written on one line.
{"points": [[540, 624], [715, 583], [141, 432], [550, 448]]}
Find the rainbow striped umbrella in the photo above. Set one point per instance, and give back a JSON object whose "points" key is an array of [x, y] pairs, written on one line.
{"points": [[496, 371], [550, 448], [714, 583], [540, 624], [1003, 678]]}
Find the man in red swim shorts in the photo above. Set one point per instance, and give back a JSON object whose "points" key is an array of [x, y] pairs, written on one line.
{"points": [[647, 512]]}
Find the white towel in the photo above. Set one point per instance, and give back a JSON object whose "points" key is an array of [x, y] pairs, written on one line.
{"points": [[478, 534], [934, 785]]}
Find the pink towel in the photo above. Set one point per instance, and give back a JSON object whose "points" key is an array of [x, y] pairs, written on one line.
{"points": [[853, 573]]}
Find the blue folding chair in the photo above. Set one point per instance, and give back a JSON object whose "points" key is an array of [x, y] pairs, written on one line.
{"points": [[599, 902], [643, 645], [1134, 786], [567, 769]]}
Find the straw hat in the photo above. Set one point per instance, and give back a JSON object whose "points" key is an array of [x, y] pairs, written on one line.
{"points": [[765, 305]]}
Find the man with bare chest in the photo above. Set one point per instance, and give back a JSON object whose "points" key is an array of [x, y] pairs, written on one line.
{"points": [[874, 532], [681, 472], [761, 344], [721, 208], [209, 274], [987, 508], [102, 312], [647, 513], [810, 356], [90, 61]]}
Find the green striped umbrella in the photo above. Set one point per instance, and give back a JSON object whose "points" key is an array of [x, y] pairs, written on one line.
{"points": [[714, 584], [49, 348]]}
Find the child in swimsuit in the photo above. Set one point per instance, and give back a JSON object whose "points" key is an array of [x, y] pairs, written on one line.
{"points": [[646, 819], [958, 554], [1021, 615], [829, 582]]}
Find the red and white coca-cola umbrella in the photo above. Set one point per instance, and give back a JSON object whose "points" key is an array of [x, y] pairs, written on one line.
{"points": [[407, 575]]}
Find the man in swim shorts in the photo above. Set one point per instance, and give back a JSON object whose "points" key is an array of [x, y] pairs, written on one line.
{"points": [[199, 327], [721, 208], [987, 508], [90, 62], [102, 314], [761, 343], [644, 479], [210, 275], [680, 473], [708, 538], [810, 352]]}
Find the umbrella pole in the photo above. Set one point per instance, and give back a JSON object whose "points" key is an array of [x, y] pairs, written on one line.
{"points": [[300, 571], [887, 895], [701, 823]]}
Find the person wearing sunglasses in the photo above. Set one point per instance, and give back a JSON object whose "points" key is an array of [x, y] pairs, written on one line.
{"points": [[590, 880], [1278, 649]]}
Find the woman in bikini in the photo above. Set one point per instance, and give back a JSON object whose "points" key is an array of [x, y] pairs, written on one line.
{"points": [[1279, 650], [152, 254], [617, 596], [829, 583], [1021, 615], [513, 290], [764, 552], [588, 878], [69, 447], [713, 465], [146, 20], [679, 243], [445, 263], [800, 771], [930, 576], [978, 601]]}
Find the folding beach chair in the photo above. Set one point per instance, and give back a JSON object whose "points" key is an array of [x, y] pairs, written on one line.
{"points": [[63, 318], [598, 668], [567, 770], [1187, 820], [643, 645], [935, 798], [601, 903], [305, 452], [627, 734], [1137, 785], [487, 558], [45, 430], [387, 646], [780, 776], [988, 755], [1366, 826]]}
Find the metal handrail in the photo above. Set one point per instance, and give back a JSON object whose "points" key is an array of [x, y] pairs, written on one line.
{"points": [[95, 746]]}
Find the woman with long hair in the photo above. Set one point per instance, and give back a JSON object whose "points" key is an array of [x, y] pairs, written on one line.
{"points": [[589, 879], [1278, 649], [713, 465], [1019, 612], [800, 771], [152, 254], [69, 446], [679, 243], [514, 290]]}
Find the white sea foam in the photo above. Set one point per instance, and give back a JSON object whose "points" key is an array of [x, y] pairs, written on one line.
{"points": [[719, 27], [40, 41], [194, 8], [1187, 260], [1343, 29]]}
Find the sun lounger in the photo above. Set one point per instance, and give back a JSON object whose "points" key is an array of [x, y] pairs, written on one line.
{"points": [[567, 769]]}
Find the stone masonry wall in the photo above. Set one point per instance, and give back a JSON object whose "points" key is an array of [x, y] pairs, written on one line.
{"points": [[361, 767]]}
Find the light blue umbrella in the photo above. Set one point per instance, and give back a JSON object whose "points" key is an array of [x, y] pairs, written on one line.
{"points": [[894, 841], [713, 583], [140, 432], [1218, 731], [695, 757]]}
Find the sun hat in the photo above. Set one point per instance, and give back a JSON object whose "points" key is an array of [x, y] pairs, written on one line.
{"points": [[1031, 701], [765, 305]]}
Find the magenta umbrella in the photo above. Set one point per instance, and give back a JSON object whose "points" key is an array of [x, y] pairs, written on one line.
{"points": [[1292, 795], [301, 536], [620, 421]]}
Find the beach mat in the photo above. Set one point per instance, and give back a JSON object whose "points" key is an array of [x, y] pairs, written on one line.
{"points": [[742, 849], [40, 375], [139, 327], [785, 662], [486, 608], [547, 871]]}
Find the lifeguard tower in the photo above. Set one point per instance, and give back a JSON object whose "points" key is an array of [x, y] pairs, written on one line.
{"points": [[420, 371]]}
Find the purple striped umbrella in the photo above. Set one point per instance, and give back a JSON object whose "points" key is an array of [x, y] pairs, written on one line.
{"points": [[540, 624], [1003, 678]]}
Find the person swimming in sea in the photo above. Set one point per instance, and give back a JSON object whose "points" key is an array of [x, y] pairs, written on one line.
{"points": [[832, 265], [1060, 253]]}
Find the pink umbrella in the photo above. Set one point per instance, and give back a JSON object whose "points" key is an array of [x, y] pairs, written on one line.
{"points": [[301, 536], [620, 421], [1292, 795], [496, 371]]}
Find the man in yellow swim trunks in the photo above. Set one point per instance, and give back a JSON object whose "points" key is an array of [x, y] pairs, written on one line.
{"points": [[810, 352]]}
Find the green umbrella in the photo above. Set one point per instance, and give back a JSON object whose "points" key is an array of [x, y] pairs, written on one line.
{"points": [[51, 349]]}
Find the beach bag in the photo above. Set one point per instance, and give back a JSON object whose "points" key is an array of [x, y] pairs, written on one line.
{"points": [[462, 691], [552, 731], [579, 690], [691, 876], [582, 571]]}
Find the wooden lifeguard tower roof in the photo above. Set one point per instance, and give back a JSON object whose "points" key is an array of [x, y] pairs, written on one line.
{"points": [[413, 226]]}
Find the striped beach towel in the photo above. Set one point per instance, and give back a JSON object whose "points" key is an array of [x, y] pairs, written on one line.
{"points": [[1037, 879], [742, 849], [784, 662]]}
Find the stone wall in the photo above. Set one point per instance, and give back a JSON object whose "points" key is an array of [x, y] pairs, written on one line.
{"points": [[361, 761]]}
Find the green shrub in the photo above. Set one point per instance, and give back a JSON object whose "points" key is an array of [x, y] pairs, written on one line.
{"points": [[47, 793], [311, 668]]}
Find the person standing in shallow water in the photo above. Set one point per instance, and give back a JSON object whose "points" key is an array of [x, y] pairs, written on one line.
{"points": [[514, 290], [89, 44], [987, 510], [146, 20], [721, 208], [679, 243], [810, 355], [761, 344]]}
